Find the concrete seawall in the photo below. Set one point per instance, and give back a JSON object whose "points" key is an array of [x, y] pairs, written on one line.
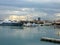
{"points": [[50, 40]]}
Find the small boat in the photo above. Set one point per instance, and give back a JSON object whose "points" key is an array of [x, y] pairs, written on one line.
{"points": [[47, 24], [57, 24]]}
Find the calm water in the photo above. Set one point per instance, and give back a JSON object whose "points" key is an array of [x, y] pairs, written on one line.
{"points": [[12, 35]]}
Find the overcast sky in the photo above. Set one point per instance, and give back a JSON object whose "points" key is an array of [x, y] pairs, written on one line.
{"points": [[46, 9]]}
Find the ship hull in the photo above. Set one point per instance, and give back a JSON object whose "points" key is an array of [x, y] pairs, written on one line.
{"points": [[11, 24]]}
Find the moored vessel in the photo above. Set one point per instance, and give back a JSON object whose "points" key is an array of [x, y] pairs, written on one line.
{"points": [[11, 23]]}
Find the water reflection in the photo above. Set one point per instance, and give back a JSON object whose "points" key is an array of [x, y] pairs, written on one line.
{"points": [[28, 35], [22, 32], [57, 31]]}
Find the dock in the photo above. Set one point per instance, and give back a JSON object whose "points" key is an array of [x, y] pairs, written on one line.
{"points": [[50, 40]]}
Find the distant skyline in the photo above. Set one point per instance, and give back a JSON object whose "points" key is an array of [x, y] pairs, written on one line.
{"points": [[46, 9]]}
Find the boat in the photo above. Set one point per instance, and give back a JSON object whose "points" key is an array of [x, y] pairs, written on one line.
{"points": [[30, 25], [47, 23], [10, 23], [57, 24]]}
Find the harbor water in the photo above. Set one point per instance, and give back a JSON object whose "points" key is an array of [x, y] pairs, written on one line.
{"points": [[15, 35]]}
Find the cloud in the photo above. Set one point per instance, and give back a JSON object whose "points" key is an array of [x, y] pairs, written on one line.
{"points": [[31, 3], [57, 14], [37, 8], [44, 13], [21, 11], [41, 1]]}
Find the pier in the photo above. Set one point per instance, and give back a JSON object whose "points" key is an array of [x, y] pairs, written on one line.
{"points": [[50, 40]]}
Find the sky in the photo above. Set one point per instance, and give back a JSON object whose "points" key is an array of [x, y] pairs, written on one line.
{"points": [[46, 9]]}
